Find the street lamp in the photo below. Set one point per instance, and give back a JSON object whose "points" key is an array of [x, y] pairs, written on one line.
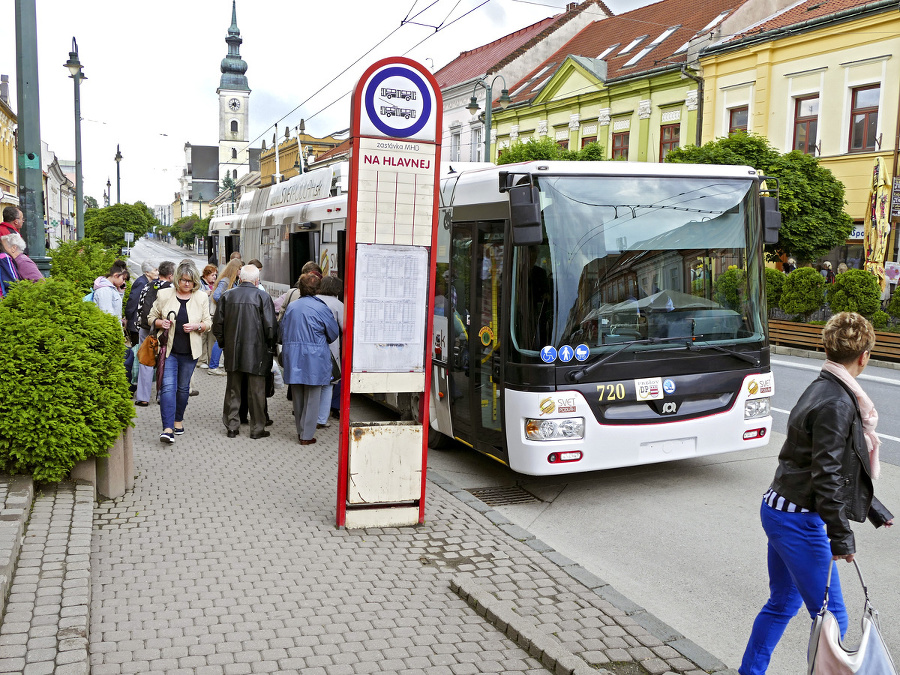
{"points": [[118, 159], [74, 66], [108, 191], [473, 108], [302, 128]]}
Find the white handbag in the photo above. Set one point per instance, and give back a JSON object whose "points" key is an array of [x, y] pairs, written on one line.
{"points": [[828, 656]]}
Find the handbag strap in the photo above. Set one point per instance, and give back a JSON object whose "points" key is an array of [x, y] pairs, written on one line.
{"points": [[828, 583]]}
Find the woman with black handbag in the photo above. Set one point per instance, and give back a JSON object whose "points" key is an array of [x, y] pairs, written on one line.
{"points": [[823, 481]]}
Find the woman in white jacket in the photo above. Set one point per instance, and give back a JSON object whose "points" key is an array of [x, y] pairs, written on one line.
{"points": [[184, 310]]}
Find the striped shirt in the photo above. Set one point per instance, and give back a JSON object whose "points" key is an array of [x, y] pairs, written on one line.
{"points": [[779, 503]]}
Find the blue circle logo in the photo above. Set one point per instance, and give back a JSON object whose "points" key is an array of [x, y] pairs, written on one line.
{"points": [[582, 351], [548, 354], [566, 353], [398, 113], [669, 386]]}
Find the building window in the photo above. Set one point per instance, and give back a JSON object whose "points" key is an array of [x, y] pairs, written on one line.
{"points": [[806, 122], [454, 146], [234, 153], [864, 118], [620, 145], [234, 174], [234, 126], [669, 136], [563, 144], [477, 145], [737, 119], [588, 139]]}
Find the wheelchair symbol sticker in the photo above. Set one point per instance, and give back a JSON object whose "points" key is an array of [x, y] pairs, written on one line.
{"points": [[548, 354]]}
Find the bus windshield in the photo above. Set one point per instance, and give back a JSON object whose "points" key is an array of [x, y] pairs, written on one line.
{"points": [[637, 258]]}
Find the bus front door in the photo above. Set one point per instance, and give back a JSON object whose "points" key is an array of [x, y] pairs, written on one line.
{"points": [[476, 266]]}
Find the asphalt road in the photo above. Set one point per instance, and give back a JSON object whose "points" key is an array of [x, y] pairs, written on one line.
{"points": [[683, 539], [156, 251]]}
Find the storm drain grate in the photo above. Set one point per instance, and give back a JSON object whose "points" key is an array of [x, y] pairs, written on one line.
{"points": [[504, 496]]}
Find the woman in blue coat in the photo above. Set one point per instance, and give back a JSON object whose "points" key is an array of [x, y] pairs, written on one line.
{"points": [[306, 329]]}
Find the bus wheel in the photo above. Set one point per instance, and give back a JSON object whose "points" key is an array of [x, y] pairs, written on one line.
{"points": [[437, 440]]}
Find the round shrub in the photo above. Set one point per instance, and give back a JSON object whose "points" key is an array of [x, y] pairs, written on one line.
{"points": [[62, 380], [880, 320], [729, 288], [893, 307], [774, 287], [855, 291], [81, 262], [803, 292]]}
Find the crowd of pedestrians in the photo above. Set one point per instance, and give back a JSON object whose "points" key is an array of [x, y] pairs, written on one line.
{"points": [[225, 322]]}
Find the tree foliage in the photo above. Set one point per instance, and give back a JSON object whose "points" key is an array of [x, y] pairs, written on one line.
{"points": [[803, 292], [811, 199], [80, 262], [729, 288], [893, 307], [63, 386], [188, 228], [90, 202], [108, 225], [774, 287], [855, 291], [546, 148]]}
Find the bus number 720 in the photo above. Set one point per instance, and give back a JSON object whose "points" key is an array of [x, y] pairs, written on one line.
{"points": [[611, 392]]}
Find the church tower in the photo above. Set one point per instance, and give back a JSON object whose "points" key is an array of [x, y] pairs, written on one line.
{"points": [[234, 103]]}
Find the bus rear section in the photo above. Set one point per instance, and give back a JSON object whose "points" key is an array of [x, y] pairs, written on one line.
{"points": [[619, 321]]}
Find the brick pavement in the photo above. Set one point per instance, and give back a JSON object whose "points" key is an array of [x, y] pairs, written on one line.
{"points": [[225, 559]]}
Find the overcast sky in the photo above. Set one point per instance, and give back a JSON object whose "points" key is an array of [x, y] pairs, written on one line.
{"points": [[153, 68]]}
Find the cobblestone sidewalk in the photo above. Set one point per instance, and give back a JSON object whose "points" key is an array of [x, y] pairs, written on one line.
{"points": [[225, 559]]}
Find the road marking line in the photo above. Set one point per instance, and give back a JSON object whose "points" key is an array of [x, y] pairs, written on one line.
{"points": [[803, 366], [890, 438]]}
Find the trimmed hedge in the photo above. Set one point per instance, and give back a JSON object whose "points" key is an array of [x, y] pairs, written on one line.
{"points": [[774, 288], [803, 292], [62, 380], [855, 291]]}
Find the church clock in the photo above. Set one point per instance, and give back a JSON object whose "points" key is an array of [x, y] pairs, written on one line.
{"points": [[234, 104]]}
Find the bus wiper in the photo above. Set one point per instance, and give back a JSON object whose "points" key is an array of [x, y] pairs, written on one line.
{"points": [[580, 374], [739, 355]]}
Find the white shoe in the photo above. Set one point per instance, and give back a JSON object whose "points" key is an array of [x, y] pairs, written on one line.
{"points": [[203, 365], [217, 371]]}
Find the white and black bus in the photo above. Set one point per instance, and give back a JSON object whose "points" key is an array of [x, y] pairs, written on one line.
{"points": [[587, 315]]}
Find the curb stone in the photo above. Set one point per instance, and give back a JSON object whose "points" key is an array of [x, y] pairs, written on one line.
{"points": [[17, 496], [558, 659]]}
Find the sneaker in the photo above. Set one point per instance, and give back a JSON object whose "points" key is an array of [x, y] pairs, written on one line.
{"points": [[216, 371], [178, 431], [203, 365], [323, 426], [166, 437]]}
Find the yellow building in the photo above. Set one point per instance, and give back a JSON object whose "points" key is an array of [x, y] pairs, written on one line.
{"points": [[821, 78], [288, 155], [9, 189]]}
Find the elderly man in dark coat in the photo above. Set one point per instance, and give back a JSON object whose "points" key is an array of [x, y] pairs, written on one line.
{"points": [[245, 328]]}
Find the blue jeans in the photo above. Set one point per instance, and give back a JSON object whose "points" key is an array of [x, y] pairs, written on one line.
{"points": [[176, 388], [799, 556], [215, 355]]}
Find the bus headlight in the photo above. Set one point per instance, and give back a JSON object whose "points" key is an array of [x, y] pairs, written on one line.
{"points": [[571, 428], [756, 407]]}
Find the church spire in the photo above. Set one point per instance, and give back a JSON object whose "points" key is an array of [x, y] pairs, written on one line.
{"points": [[233, 66]]}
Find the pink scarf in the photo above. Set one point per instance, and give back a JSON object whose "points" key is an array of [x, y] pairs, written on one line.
{"points": [[866, 409]]}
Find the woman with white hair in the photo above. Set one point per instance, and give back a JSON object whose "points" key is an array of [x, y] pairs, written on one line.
{"points": [[14, 245]]}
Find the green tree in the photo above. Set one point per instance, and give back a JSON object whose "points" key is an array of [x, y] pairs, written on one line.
{"points": [[80, 262], [811, 199], [855, 291], [227, 183], [729, 288], [803, 292], [90, 202], [546, 148], [108, 225]]}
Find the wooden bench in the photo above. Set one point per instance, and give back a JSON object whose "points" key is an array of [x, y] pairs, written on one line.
{"points": [[808, 336]]}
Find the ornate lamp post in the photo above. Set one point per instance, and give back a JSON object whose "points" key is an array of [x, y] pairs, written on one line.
{"points": [[302, 129], [118, 159], [108, 191], [74, 66], [473, 108]]}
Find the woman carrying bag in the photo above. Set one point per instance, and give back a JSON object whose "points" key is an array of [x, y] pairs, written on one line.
{"points": [[823, 481], [190, 305]]}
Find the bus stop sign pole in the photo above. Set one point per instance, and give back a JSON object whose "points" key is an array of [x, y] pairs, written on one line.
{"points": [[395, 139]]}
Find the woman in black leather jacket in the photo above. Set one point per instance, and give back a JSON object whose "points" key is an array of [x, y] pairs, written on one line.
{"points": [[823, 481]]}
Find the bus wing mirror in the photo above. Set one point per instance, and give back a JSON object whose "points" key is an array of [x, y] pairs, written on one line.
{"points": [[525, 215], [771, 219]]}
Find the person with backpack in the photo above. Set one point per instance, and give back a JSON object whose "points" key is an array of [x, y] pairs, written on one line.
{"points": [[107, 295], [148, 274], [148, 297]]}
